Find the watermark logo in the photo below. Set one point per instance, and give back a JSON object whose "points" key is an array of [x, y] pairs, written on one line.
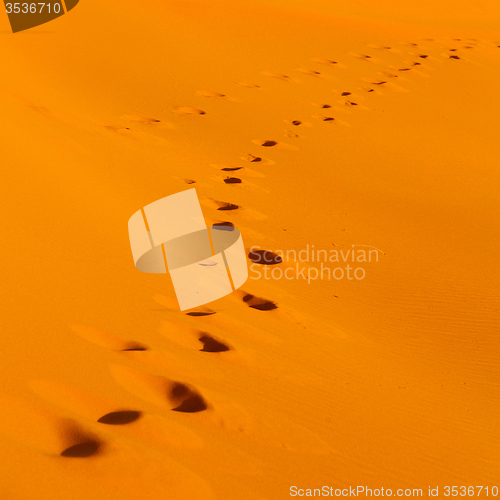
{"points": [[312, 263], [170, 235], [26, 15]]}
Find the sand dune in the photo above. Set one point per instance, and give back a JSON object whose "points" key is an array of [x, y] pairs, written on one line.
{"points": [[308, 126]]}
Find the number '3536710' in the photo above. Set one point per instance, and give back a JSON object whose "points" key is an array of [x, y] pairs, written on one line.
{"points": [[26, 15]]}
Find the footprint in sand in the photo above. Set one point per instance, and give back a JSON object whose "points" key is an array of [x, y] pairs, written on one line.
{"points": [[248, 85], [123, 417], [224, 206], [385, 84], [321, 60], [188, 110], [210, 344], [275, 144], [298, 123], [410, 69], [201, 311], [331, 119], [313, 72], [239, 182], [264, 257], [244, 171], [257, 159], [232, 180], [107, 340], [384, 47], [193, 338], [39, 427], [363, 57], [223, 225], [280, 76], [146, 120], [228, 206], [159, 390], [257, 302], [148, 428], [216, 95]]}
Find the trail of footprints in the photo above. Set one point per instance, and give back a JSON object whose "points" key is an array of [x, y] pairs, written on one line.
{"points": [[82, 434], [70, 439]]}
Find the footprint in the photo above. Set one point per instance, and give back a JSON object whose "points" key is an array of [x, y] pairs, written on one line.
{"points": [[353, 104], [313, 72], [384, 47], [107, 340], [223, 224], [83, 403], [323, 105], [39, 427], [243, 212], [248, 85], [257, 159], [349, 94], [385, 84], [265, 257], [146, 120], [188, 110], [217, 95], [247, 185], [228, 206], [232, 180], [364, 57], [161, 391], [275, 144], [190, 337], [292, 135], [279, 76], [269, 144], [82, 450], [331, 119], [387, 74], [120, 417], [245, 171], [136, 135], [201, 311], [328, 62], [298, 123], [210, 344], [259, 303]]}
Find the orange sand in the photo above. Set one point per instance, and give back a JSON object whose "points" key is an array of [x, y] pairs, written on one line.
{"points": [[391, 381]]}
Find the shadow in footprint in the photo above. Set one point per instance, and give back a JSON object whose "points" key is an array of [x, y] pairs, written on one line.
{"points": [[120, 417], [231, 169], [229, 206], [265, 257], [190, 401], [135, 347], [198, 313], [224, 226], [82, 450], [232, 180], [212, 345], [259, 303]]}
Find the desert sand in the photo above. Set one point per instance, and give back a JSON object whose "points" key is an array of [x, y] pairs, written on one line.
{"points": [[366, 124]]}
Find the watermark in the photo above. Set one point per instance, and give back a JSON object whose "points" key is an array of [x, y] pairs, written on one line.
{"points": [[26, 15], [367, 492], [340, 263], [170, 235]]}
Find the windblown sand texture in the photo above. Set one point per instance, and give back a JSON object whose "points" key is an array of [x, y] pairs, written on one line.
{"points": [[300, 123]]}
